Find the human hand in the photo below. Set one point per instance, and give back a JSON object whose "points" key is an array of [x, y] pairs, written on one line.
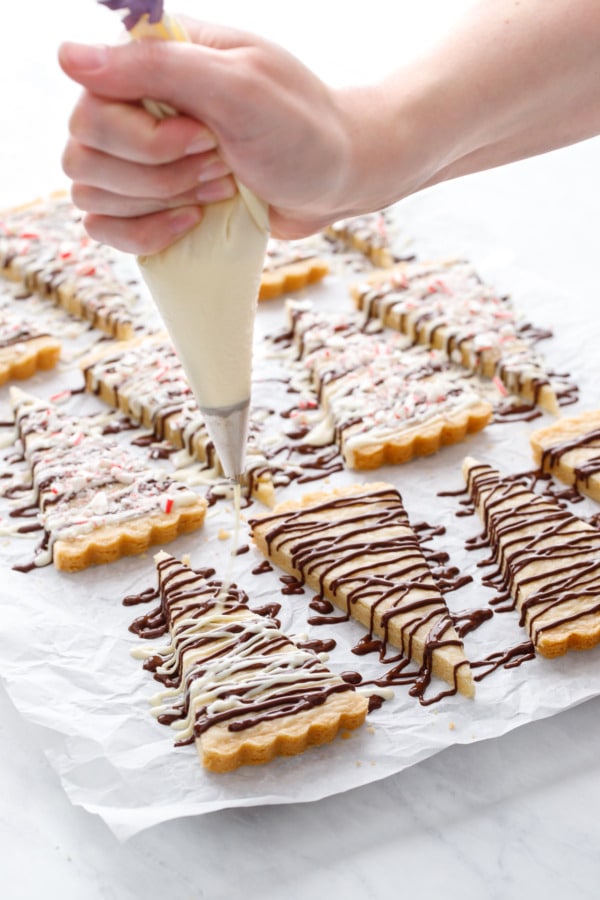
{"points": [[316, 154], [246, 107]]}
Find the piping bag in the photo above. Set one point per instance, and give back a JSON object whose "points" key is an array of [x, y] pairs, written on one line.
{"points": [[206, 284]]}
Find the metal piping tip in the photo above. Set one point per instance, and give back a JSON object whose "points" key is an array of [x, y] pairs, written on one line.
{"points": [[227, 427]]}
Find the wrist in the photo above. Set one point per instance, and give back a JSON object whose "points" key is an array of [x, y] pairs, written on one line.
{"points": [[400, 137]]}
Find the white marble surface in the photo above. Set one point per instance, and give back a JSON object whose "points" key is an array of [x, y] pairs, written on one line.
{"points": [[497, 819]]}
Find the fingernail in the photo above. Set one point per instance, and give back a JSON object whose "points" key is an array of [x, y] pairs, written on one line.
{"points": [[219, 189], [213, 170], [204, 140], [181, 220], [85, 56]]}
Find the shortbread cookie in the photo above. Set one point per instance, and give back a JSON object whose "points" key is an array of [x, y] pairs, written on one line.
{"points": [[144, 379], [290, 266], [44, 245], [97, 502], [312, 330], [396, 424], [236, 684], [24, 348], [446, 305], [370, 234], [386, 403], [570, 450], [549, 560], [355, 546]]}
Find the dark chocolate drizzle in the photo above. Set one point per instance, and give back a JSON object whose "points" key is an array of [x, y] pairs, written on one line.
{"points": [[506, 659], [350, 548], [187, 595], [586, 469], [551, 601]]}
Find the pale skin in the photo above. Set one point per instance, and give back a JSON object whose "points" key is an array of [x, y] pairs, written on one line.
{"points": [[516, 78]]}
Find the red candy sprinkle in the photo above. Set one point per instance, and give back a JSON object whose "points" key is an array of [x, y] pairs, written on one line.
{"points": [[86, 270], [500, 386], [61, 395]]}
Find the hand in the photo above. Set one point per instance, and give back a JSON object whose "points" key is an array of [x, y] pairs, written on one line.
{"points": [[246, 106], [316, 154]]}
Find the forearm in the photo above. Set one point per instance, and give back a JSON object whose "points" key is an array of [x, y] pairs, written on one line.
{"points": [[513, 80]]}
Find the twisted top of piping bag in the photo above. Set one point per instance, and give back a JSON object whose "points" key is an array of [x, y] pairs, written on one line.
{"points": [[137, 8]]}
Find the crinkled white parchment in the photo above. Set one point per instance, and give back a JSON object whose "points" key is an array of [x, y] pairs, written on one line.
{"points": [[65, 654]]}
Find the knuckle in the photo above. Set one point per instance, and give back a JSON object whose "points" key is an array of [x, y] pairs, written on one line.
{"points": [[95, 228], [69, 160], [150, 53], [78, 121], [80, 196]]}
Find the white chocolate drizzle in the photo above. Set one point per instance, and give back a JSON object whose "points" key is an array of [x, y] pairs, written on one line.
{"points": [[447, 305], [224, 662], [83, 480], [373, 385]]}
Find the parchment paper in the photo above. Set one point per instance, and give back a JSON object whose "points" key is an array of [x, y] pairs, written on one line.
{"points": [[65, 650]]}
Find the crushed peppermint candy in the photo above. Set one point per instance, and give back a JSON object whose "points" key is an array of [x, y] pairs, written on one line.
{"points": [[81, 479], [62, 264], [374, 387], [447, 305]]}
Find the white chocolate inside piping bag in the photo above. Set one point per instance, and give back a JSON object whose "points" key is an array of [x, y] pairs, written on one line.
{"points": [[206, 287], [206, 284]]}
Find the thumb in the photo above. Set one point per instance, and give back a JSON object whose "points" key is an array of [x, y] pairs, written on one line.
{"points": [[190, 77]]}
